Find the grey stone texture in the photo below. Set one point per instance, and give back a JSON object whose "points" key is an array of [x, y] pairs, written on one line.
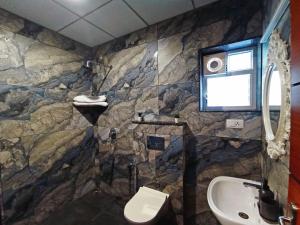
{"points": [[54, 153]]}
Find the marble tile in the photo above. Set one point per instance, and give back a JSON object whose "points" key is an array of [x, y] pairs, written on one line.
{"points": [[47, 146], [133, 67], [55, 153], [38, 166], [173, 98], [10, 22], [178, 54], [140, 37], [203, 16]]}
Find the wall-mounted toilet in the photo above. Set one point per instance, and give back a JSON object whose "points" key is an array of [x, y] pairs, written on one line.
{"points": [[146, 207]]}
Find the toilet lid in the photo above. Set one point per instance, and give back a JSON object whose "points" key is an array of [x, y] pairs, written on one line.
{"points": [[145, 205]]}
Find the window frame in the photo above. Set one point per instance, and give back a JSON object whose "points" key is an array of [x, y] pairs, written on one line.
{"points": [[255, 98]]}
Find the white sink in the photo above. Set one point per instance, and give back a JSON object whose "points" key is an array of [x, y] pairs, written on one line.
{"points": [[227, 197]]}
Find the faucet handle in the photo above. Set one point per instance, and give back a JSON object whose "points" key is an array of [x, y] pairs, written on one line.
{"points": [[293, 209]]}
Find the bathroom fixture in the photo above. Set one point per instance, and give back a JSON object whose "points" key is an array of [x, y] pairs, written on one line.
{"points": [[146, 207], [155, 143], [247, 184], [101, 73], [133, 177], [113, 134], [88, 64], [269, 207], [277, 61], [293, 215], [233, 203]]}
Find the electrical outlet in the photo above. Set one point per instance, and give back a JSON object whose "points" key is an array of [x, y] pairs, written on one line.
{"points": [[234, 123]]}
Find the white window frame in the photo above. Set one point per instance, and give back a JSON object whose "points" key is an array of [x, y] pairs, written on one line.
{"points": [[253, 76]]}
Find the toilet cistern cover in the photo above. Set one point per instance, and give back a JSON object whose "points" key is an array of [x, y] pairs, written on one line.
{"points": [[144, 205]]}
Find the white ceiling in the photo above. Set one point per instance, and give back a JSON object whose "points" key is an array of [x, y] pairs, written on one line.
{"points": [[93, 22]]}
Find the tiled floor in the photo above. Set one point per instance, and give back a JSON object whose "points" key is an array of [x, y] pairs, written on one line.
{"points": [[93, 209]]}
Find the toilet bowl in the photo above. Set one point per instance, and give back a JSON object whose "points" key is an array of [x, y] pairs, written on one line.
{"points": [[146, 207]]}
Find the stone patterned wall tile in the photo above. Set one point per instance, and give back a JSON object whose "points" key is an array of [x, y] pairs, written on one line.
{"points": [[211, 13], [214, 123], [178, 54], [172, 64], [133, 67], [50, 161], [47, 146], [18, 25], [52, 154], [28, 62], [269, 10], [10, 22], [43, 62], [145, 99], [10, 55], [170, 130], [145, 35], [143, 128], [173, 98], [272, 170], [55, 39], [118, 115], [254, 26], [204, 151], [252, 126], [46, 118]]}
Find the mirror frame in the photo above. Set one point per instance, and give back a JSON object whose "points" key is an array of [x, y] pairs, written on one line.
{"points": [[278, 57]]}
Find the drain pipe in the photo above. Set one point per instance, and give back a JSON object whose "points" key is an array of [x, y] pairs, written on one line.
{"points": [[1, 199]]}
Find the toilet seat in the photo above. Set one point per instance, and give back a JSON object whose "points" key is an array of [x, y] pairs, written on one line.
{"points": [[145, 205]]}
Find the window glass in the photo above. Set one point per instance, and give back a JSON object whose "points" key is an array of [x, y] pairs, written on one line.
{"points": [[239, 61], [229, 91]]}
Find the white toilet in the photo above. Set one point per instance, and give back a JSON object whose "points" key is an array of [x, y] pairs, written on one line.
{"points": [[146, 206]]}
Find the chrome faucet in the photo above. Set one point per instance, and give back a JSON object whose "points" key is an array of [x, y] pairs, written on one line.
{"points": [[293, 209], [247, 184]]}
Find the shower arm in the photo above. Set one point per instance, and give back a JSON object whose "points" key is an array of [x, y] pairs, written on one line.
{"points": [[105, 76]]}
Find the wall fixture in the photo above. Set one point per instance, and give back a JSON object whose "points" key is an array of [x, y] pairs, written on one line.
{"points": [[278, 60]]}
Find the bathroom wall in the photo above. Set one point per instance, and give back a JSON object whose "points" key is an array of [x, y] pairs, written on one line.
{"points": [[273, 169], [47, 147], [155, 71]]}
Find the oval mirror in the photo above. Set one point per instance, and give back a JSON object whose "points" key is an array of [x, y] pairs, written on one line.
{"points": [[276, 97]]}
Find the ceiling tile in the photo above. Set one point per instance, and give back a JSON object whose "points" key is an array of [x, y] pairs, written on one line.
{"points": [[116, 18], [46, 12], [199, 3], [157, 10], [85, 33], [81, 7]]}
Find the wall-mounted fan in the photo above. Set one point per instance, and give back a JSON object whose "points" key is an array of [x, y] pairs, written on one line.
{"points": [[214, 63]]}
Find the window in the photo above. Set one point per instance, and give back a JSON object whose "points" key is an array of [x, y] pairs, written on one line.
{"points": [[229, 80]]}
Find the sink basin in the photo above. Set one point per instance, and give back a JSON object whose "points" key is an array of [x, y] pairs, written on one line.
{"points": [[233, 203]]}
